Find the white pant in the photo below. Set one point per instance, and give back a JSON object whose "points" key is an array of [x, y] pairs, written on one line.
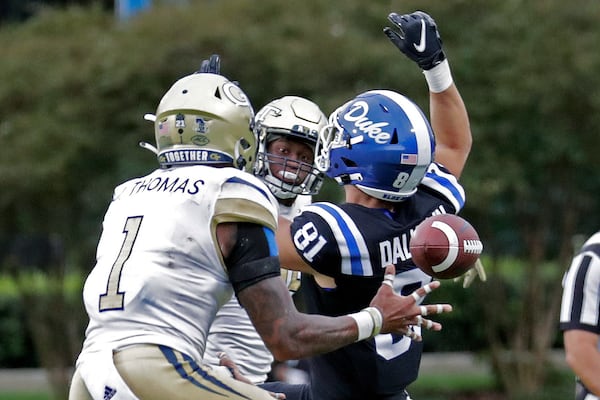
{"points": [[96, 378]]}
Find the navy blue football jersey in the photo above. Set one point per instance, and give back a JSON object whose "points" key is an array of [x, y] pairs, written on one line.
{"points": [[353, 244]]}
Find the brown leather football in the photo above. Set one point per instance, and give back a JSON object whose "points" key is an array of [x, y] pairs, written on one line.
{"points": [[445, 246]]}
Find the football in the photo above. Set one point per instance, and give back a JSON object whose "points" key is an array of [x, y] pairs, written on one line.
{"points": [[445, 246]]}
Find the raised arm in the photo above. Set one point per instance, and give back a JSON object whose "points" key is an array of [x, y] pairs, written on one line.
{"points": [[417, 36]]}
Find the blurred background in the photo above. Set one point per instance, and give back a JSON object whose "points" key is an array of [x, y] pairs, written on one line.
{"points": [[76, 78]]}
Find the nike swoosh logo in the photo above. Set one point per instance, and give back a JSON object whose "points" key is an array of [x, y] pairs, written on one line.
{"points": [[421, 46]]}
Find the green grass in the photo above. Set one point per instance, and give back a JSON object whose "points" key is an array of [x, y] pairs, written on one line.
{"points": [[450, 385], [454, 382], [24, 396], [459, 385]]}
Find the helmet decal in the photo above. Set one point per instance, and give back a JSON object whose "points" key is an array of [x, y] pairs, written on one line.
{"points": [[200, 140], [179, 121], [200, 125], [235, 94], [358, 115]]}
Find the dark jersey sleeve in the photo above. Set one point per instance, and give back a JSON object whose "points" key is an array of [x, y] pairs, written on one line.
{"points": [[253, 257], [315, 242]]}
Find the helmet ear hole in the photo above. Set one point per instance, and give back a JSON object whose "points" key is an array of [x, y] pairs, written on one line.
{"points": [[244, 143]]}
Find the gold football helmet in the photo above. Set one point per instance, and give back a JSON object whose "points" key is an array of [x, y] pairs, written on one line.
{"points": [[204, 119]]}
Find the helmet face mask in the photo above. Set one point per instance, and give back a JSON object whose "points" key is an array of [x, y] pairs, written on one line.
{"points": [[381, 142], [204, 119], [292, 119]]}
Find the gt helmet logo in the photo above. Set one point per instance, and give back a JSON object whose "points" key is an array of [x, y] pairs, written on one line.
{"points": [[235, 94]]}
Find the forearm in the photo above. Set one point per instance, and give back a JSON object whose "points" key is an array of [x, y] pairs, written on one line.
{"points": [[586, 365], [312, 335], [450, 122], [416, 35], [288, 333], [583, 356]]}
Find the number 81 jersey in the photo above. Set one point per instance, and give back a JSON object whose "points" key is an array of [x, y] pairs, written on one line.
{"points": [[353, 244]]}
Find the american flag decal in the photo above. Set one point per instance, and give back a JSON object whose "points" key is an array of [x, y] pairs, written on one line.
{"points": [[410, 159]]}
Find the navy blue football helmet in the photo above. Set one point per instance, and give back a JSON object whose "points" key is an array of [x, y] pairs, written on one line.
{"points": [[381, 142]]}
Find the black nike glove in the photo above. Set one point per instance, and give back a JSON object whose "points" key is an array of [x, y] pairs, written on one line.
{"points": [[417, 37], [212, 65]]}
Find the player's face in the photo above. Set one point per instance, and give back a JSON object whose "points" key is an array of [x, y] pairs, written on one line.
{"points": [[284, 157]]}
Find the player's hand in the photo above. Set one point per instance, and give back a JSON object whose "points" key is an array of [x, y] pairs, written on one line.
{"points": [[226, 361], [212, 65], [476, 271], [401, 313], [417, 36]]}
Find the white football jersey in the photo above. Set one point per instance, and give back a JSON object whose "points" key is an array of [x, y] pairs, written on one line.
{"points": [[233, 332], [159, 276]]}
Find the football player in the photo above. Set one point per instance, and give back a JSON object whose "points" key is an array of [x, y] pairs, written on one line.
{"points": [[179, 241], [287, 130], [382, 149]]}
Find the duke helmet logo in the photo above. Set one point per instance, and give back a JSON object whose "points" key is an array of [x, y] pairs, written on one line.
{"points": [[358, 115]]}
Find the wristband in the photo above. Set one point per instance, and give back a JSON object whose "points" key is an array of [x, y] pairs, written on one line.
{"points": [[365, 324], [368, 321], [377, 319], [439, 78]]}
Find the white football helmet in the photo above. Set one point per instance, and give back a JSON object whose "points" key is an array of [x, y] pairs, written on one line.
{"points": [[295, 118], [204, 119]]}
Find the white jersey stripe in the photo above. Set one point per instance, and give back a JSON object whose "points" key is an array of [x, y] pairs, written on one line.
{"points": [[580, 305], [446, 184], [351, 244], [591, 299]]}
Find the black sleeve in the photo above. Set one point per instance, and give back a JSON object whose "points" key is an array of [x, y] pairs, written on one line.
{"points": [[315, 242], [254, 256]]}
